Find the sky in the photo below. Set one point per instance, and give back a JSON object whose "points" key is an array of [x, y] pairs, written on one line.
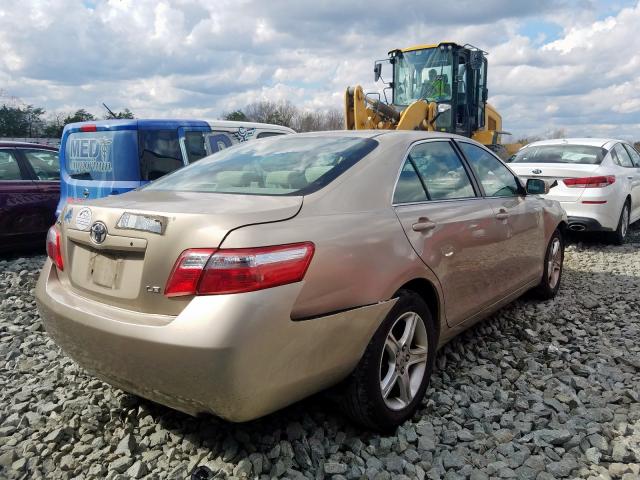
{"points": [[553, 64]]}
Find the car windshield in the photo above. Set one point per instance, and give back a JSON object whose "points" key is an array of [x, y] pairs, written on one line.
{"points": [[582, 154], [286, 165], [423, 74]]}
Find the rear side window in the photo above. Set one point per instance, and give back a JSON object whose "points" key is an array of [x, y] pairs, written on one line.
{"points": [[620, 154], [45, 163], [159, 153], [409, 188], [286, 165], [441, 171], [495, 178], [102, 155], [580, 154], [635, 157], [9, 168]]}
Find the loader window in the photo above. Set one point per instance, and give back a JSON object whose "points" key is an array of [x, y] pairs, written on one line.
{"points": [[423, 74]]}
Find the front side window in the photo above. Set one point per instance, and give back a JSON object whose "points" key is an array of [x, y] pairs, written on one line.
{"points": [[9, 168], [285, 165], [45, 163], [580, 154], [423, 74], [495, 178], [635, 156], [441, 171], [159, 153], [194, 142]]}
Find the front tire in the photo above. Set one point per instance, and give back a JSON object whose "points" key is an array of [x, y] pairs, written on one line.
{"points": [[619, 236], [390, 380], [553, 262]]}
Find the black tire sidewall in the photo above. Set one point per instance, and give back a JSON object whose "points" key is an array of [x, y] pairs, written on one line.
{"points": [[387, 418], [619, 238]]}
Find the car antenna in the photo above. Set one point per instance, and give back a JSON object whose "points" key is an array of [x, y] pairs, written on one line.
{"points": [[109, 110]]}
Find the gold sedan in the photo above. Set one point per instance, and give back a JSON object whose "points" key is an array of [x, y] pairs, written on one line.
{"points": [[275, 269]]}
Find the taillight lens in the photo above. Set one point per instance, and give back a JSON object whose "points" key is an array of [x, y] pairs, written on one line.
{"points": [[186, 272], [238, 270], [590, 182], [54, 250]]}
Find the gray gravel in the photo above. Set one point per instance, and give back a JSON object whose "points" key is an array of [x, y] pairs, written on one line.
{"points": [[538, 391]]}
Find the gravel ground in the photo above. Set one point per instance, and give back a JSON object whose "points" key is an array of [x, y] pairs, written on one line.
{"points": [[538, 391]]}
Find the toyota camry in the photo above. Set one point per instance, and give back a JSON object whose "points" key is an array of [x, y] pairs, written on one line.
{"points": [[278, 268]]}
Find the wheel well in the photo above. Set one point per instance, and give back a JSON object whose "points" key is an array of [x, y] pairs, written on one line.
{"points": [[562, 226], [429, 294]]}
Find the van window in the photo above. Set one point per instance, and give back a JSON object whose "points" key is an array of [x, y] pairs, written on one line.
{"points": [[159, 153], [194, 143], [219, 141], [269, 134], [102, 155]]}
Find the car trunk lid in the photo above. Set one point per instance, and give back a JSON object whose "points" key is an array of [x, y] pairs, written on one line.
{"points": [[128, 265], [551, 172]]}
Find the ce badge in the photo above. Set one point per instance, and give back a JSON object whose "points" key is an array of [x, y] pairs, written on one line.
{"points": [[98, 233]]}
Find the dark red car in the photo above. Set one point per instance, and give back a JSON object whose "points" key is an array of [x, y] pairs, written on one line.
{"points": [[29, 193]]}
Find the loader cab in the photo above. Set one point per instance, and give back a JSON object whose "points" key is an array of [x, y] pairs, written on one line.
{"points": [[453, 76]]}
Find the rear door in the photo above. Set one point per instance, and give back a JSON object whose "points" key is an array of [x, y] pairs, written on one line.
{"points": [[20, 216], [45, 169], [449, 225], [520, 217]]}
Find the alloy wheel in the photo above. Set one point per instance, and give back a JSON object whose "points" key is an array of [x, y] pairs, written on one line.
{"points": [[554, 265], [403, 362], [624, 226]]}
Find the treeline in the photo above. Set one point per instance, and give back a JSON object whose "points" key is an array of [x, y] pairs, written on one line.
{"points": [[27, 121], [286, 114]]}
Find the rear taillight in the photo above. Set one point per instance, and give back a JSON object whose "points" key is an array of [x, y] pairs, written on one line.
{"points": [[89, 128], [54, 250], [590, 182], [209, 272]]}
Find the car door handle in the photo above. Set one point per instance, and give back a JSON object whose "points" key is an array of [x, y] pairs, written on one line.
{"points": [[423, 224], [502, 215]]}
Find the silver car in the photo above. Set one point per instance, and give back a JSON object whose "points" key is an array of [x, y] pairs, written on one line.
{"points": [[272, 270]]}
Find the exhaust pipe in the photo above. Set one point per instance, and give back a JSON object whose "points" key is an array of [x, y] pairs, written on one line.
{"points": [[577, 227]]}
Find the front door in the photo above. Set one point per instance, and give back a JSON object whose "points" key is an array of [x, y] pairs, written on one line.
{"points": [[449, 225]]}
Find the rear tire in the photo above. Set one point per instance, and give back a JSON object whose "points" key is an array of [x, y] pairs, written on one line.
{"points": [[619, 236], [390, 380], [553, 262]]}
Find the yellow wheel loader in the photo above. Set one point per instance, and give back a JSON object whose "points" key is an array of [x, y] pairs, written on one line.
{"points": [[440, 87]]}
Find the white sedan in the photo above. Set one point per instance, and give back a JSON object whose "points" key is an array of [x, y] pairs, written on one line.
{"points": [[597, 181]]}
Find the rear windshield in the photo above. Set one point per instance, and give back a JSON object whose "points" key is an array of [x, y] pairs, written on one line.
{"points": [[103, 155], [582, 154], [285, 165]]}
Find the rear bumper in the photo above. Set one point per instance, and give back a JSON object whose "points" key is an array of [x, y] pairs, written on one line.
{"points": [[585, 224], [594, 217], [236, 356]]}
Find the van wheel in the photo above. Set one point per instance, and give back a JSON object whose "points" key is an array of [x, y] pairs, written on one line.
{"points": [[389, 383], [553, 261], [618, 237]]}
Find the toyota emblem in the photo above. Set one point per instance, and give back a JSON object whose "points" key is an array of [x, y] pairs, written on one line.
{"points": [[98, 232], [537, 171]]}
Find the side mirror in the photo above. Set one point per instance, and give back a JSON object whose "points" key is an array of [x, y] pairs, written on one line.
{"points": [[536, 186], [377, 71]]}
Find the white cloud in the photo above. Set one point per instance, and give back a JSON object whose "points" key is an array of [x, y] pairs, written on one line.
{"points": [[200, 58]]}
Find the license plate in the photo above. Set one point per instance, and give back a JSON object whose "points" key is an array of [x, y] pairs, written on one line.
{"points": [[103, 271]]}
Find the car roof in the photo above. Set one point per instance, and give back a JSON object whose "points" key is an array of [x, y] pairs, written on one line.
{"points": [[594, 142], [6, 144], [385, 135], [170, 122]]}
